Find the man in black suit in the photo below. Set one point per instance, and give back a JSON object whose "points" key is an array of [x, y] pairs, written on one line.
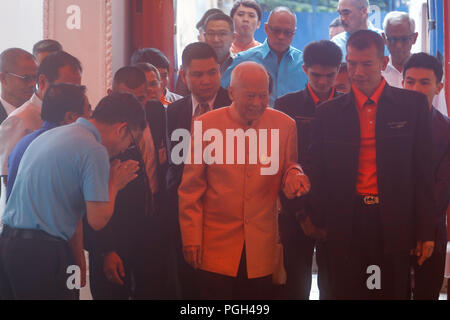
{"points": [[127, 260], [321, 64], [200, 72], [372, 185], [423, 73]]}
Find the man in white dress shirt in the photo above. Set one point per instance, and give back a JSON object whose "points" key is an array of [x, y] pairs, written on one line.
{"points": [[59, 67], [399, 35], [18, 71]]}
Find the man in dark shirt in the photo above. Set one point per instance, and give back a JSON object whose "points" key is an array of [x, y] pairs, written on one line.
{"points": [[321, 64], [423, 73]]}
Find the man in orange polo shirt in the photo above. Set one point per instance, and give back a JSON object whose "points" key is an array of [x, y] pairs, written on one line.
{"points": [[371, 178]]}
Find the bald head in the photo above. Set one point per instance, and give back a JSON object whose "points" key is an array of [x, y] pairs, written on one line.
{"points": [[249, 90], [11, 58], [248, 71], [18, 72], [282, 11]]}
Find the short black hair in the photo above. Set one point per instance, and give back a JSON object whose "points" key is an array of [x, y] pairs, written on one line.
{"points": [[323, 52], [364, 39], [249, 4], [51, 64], [152, 56], [148, 67], [61, 98], [220, 17], [131, 76], [205, 16], [47, 45], [335, 23], [425, 61], [120, 107], [197, 50]]}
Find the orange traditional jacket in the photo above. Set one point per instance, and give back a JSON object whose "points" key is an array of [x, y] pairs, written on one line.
{"points": [[223, 206]]}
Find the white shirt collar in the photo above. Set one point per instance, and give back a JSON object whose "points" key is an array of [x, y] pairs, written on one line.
{"points": [[35, 100], [8, 107]]}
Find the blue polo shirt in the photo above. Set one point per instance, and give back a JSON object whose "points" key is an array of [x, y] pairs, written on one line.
{"points": [[60, 170], [287, 77], [17, 153]]}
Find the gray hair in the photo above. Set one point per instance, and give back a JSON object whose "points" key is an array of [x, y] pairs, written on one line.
{"points": [[361, 3], [282, 9], [398, 17]]}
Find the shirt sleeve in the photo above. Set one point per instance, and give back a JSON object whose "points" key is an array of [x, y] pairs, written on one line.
{"points": [[95, 175], [11, 131]]}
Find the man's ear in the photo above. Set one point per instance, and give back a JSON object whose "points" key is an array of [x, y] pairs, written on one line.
{"points": [[415, 37], [231, 93], [183, 75], [304, 68], [121, 129], [109, 91], [43, 83], [385, 62], [70, 117], [384, 38], [439, 88]]}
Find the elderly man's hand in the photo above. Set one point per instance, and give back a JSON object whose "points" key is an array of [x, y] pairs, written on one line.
{"points": [[424, 250], [297, 184], [310, 230], [113, 268], [193, 255]]}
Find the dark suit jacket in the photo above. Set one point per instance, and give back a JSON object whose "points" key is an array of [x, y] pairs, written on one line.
{"points": [[3, 114], [441, 172], [179, 115], [404, 173], [300, 107]]}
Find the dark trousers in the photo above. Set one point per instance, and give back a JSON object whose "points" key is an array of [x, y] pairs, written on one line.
{"points": [[34, 269], [429, 276], [351, 274], [145, 278], [215, 286], [298, 256]]}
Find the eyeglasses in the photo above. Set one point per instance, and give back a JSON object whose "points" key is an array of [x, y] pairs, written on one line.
{"points": [[220, 34], [27, 78], [403, 39], [278, 31]]}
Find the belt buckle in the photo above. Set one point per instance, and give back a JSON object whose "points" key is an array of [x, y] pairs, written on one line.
{"points": [[370, 200]]}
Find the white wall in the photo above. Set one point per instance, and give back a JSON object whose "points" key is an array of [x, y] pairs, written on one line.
{"points": [[21, 23]]}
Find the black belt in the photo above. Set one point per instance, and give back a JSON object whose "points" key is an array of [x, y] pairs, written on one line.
{"points": [[369, 200], [29, 234]]}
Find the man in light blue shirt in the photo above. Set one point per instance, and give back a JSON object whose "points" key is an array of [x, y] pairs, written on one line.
{"points": [[283, 62], [64, 175], [354, 16]]}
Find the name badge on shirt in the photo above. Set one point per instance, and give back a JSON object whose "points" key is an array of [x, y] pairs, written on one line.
{"points": [[397, 125], [303, 120]]}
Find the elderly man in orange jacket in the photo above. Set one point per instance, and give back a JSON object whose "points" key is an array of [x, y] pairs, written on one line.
{"points": [[241, 157]]}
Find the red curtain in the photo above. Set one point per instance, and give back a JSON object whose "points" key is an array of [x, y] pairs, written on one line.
{"points": [[153, 26]]}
